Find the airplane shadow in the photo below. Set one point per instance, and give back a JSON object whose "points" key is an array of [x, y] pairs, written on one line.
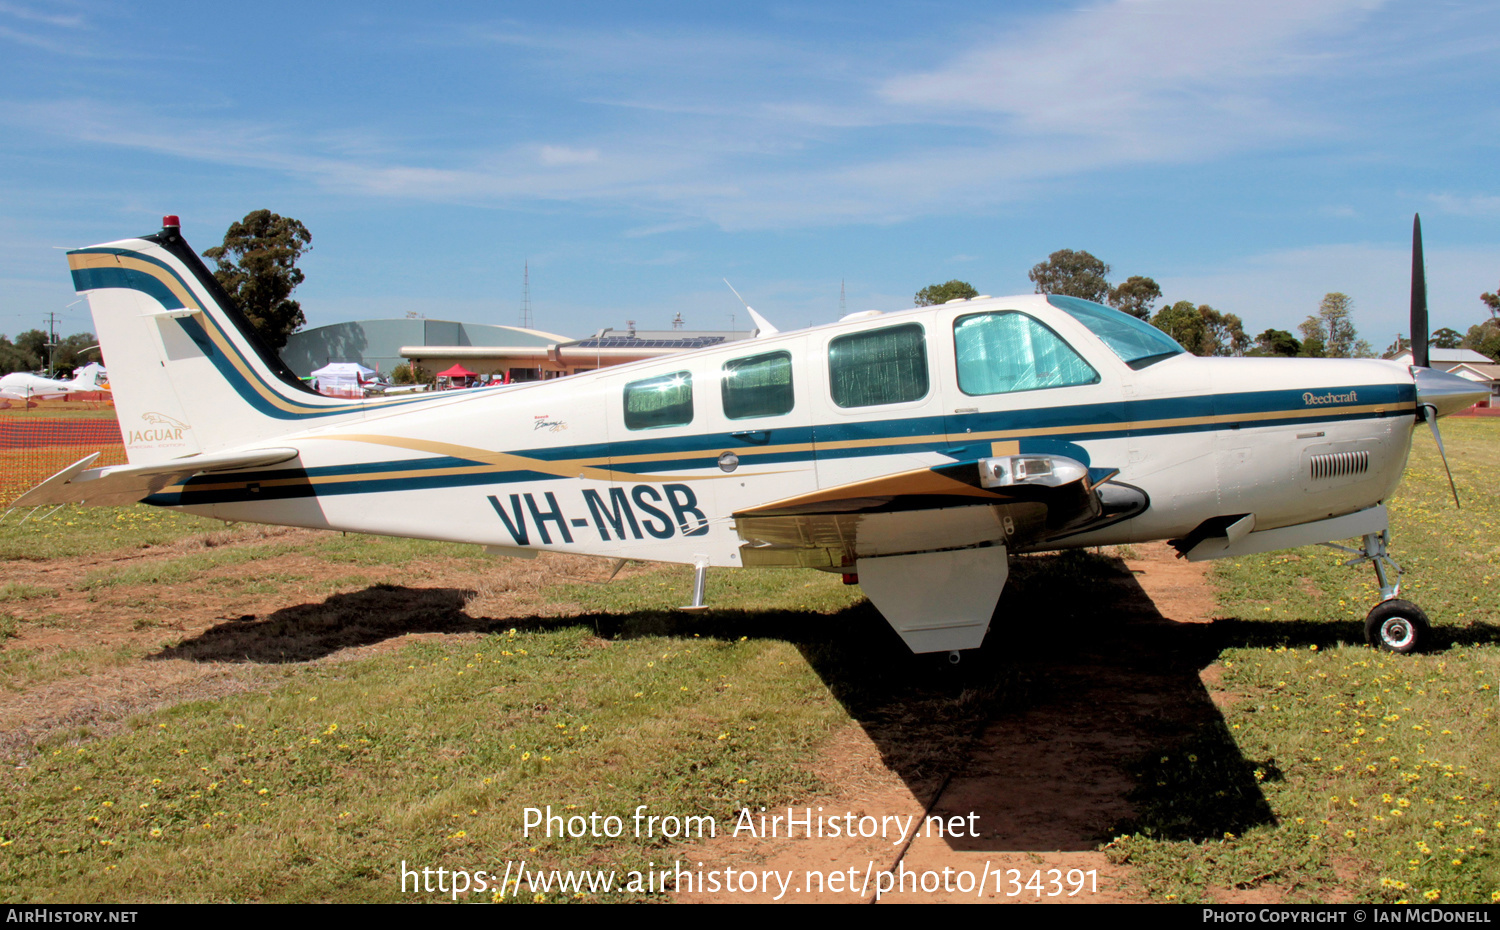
{"points": [[305, 632], [1084, 716]]}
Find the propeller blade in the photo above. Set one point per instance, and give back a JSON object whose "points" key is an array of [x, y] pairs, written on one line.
{"points": [[1419, 353], [1431, 415]]}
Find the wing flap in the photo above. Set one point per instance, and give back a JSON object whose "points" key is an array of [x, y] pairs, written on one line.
{"points": [[127, 484], [1020, 501]]}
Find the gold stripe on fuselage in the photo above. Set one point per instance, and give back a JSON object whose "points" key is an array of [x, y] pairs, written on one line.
{"points": [[1004, 442]]}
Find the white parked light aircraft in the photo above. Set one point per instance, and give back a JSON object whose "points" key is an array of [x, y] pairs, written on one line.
{"points": [[21, 385], [912, 451]]}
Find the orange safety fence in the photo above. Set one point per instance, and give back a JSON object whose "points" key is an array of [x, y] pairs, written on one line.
{"points": [[34, 448]]}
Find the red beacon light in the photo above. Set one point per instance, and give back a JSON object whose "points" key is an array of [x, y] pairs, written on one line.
{"points": [[170, 222]]}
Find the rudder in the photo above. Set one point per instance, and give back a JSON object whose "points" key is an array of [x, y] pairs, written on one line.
{"points": [[187, 372]]}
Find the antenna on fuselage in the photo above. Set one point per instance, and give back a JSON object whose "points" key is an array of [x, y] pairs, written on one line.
{"points": [[763, 326]]}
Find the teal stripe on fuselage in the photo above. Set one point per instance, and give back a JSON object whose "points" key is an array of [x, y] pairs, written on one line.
{"points": [[1075, 425], [132, 279]]}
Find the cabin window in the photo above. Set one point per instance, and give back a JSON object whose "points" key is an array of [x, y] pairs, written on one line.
{"points": [[881, 366], [759, 386], [1000, 353], [1136, 342], [657, 402]]}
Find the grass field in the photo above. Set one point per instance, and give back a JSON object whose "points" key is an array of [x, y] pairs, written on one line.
{"points": [[1379, 772], [1331, 772], [68, 409]]}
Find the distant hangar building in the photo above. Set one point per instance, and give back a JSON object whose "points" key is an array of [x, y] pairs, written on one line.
{"points": [[525, 354]]}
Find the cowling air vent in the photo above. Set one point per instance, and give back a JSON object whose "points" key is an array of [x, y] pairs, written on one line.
{"points": [[1338, 464]]}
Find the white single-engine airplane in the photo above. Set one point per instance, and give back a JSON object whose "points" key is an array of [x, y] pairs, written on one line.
{"points": [[912, 451], [20, 385]]}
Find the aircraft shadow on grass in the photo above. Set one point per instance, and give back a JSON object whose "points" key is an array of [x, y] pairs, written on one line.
{"points": [[1085, 715]]}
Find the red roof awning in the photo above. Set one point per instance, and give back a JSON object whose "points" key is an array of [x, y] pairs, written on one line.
{"points": [[457, 371]]}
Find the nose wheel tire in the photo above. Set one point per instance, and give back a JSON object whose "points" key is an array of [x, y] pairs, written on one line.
{"points": [[1397, 626]]}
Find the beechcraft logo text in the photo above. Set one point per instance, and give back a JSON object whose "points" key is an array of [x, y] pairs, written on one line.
{"points": [[1310, 398]]}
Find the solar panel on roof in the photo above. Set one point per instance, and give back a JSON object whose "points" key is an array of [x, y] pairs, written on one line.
{"points": [[626, 342]]}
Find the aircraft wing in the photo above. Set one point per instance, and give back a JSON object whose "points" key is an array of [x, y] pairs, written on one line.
{"points": [[127, 484], [1022, 502]]}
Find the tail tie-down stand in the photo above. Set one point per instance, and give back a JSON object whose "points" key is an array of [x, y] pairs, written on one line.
{"points": [[700, 586]]}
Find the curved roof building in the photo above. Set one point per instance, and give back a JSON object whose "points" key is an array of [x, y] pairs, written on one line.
{"points": [[525, 354], [377, 344]]}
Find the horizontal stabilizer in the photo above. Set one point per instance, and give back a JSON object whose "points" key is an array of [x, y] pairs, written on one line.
{"points": [[127, 484]]}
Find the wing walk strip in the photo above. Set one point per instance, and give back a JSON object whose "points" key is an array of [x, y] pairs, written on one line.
{"points": [[599, 467]]}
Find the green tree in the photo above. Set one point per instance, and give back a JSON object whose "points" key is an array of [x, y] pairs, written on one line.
{"points": [[33, 342], [16, 358], [1075, 274], [1445, 338], [934, 294], [1136, 296], [1277, 343], [1493, 302], [1201, 329], [70, 352], [1402, 344], [1484, 338], [1333, 329], [1182, 322], [1313, 345], [1225, 332], [412, 374], [257, 266]]}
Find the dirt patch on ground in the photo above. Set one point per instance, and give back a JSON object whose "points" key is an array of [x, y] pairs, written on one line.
{"points": [[1026, 816], [1027, 812], [154, 644]]}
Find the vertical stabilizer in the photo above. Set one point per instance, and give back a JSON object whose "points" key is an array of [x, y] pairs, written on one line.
{"points": [[188, 375]]}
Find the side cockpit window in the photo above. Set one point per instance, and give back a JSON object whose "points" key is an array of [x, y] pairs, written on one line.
{"points": [[1000, 353], [657, 402], [879, 366], [758, 386], [1136, 342]]}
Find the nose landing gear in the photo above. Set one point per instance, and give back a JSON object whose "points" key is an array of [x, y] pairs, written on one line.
{"points": [[1397, 626], [1393, 625]]}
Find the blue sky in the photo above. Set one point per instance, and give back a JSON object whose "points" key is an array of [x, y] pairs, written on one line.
{"points": [[1253, 156]]}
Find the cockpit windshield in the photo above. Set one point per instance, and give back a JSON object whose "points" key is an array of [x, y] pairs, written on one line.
{"points": [[1136, 342]]}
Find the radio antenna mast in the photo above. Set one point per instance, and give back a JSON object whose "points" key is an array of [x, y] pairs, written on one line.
{"points": [[526, 295]]}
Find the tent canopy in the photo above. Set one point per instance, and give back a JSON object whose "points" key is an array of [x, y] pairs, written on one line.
{"points": [[457, 371], [343, 371]]}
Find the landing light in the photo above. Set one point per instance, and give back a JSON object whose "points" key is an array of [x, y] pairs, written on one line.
{"points": [[1049, 470]]}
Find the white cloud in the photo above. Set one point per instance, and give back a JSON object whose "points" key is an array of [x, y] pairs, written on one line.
{"points": [[563, 155], [1281, 289], [62, 21], [1471, 205], [1144, 74], [749, 132]]}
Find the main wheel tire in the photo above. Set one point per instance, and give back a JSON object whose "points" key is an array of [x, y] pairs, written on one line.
{"points": [[1397, 626]]}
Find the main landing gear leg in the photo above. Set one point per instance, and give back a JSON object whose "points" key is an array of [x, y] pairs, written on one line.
{"points": [[1393, 625]]}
